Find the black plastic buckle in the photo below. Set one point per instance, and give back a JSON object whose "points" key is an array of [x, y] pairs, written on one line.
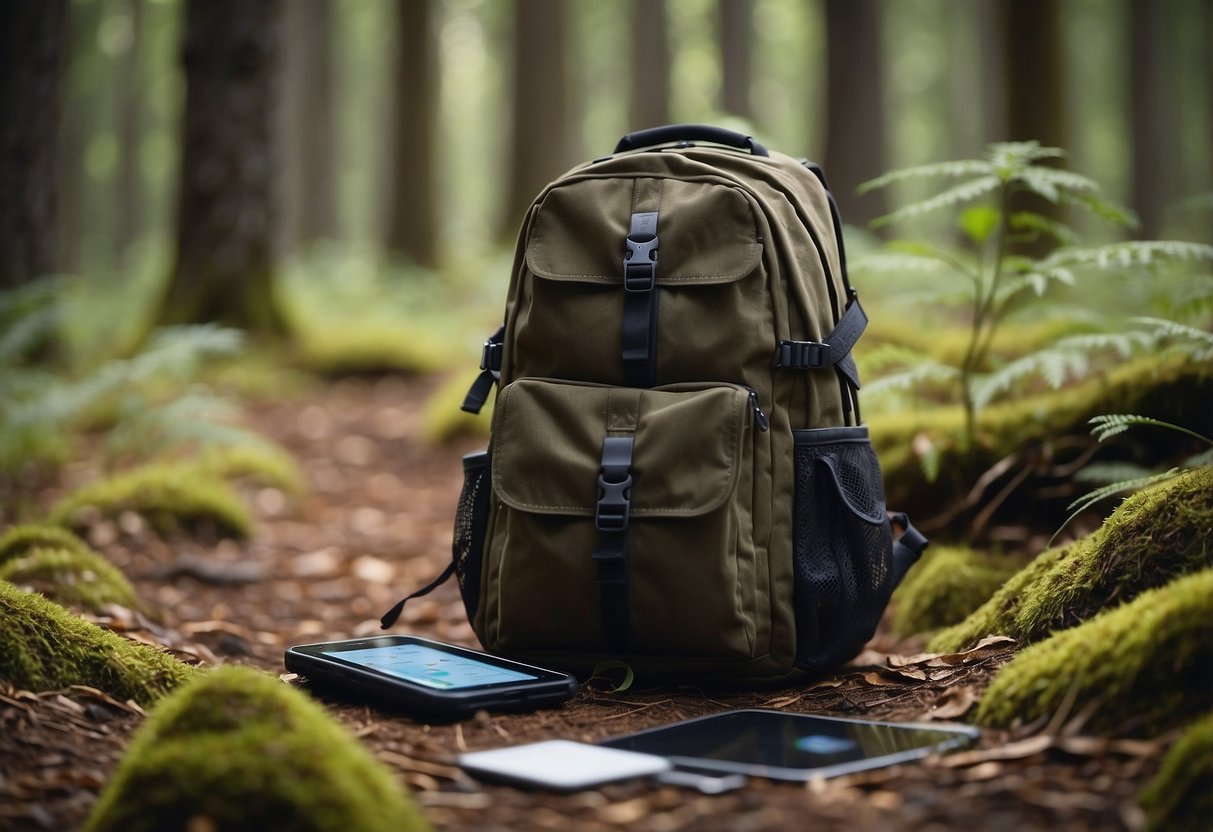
{"points": [[640, 265], [490, 356], [614, 504], [803, 355]]}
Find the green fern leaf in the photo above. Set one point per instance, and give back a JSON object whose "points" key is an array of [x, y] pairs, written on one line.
{"points": [[962, 167], [1107, 473], [927, 372], [964, 192]]}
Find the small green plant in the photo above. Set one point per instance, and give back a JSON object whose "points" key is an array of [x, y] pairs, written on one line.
{"points": [[1121, 477], [998, 281]]}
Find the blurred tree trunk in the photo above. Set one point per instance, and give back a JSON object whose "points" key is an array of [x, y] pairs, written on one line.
{"points": [[129, 99], [541, 146], [989, 40], [855, 112], [736, 40], [1034, 84], [32, 39], [226, 208], [310, 209], [1157, 149], [650, 62], [412, 216]]}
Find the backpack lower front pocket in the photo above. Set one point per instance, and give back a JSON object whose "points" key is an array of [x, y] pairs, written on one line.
{"points": [[622, 520]]}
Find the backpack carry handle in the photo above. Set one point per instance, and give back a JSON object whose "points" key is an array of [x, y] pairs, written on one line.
{"points": [[672, 133]]}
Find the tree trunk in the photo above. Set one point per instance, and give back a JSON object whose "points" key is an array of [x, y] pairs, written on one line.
{"points": [[310, 210], [855, 112], [32, 39], [650, 62], [1157, 149], [1033, 76], [542, 137], [129, 99], [412, 222], [226, 207], [736, 39]]}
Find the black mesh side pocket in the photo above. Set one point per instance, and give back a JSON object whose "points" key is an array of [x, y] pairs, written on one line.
{"points": [[842, 547], [471, 516]]}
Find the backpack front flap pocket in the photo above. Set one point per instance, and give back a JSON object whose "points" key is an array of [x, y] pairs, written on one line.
{"points": [[623, 520]]}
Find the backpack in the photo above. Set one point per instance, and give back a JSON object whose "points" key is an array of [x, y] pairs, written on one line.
{"points": [[677, 475]]}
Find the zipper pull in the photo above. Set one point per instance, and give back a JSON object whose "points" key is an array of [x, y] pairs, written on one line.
{"points": [[760, 418]]}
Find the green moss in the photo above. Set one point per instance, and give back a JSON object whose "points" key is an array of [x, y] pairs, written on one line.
{"points": [[1175, 389], [1141, 668], [240, 750], [1152, 537], [370, 347], [946, 585], [265, 464], [71, 577], [20, 540], [443, 419], [45, 647], [1179, 797], [171, 497]]}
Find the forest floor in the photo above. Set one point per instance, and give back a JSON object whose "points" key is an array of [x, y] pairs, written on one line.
{"points": [[375, 524]]}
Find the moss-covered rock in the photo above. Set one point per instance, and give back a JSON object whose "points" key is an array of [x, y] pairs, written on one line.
{"points": [[946, 585], [72, 577], [264, 464], [1179, 798], [45, 647], [1175, 389], [173, 498], [1152, 537], [239, 750], [1141, 668], [370, 348], [20, 540]]}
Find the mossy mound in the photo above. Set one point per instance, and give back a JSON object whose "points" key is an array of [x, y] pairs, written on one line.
{"points": [[45, 647], [1141, 668], [20, 540], [946, 585], [71, 577], [443, 419], [263, 464], [240, 750], [173, 498], [1152, 537], [1175, 389], [1179, 797], [370, 348]]}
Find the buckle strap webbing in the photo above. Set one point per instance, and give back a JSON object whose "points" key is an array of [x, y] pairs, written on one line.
{"points": [[490, 372], [611, 518], [835, 351], [639, 335]]}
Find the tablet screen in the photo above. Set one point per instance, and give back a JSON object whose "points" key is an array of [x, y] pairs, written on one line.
{"points": [[430, 667], [791, 746]]}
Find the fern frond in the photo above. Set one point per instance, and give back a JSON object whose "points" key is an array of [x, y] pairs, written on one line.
{"points": [[1107, 473], [1051, 183], [893, 262], [1011, 155], [1087, 500], [962, 167], [198, 418], [1174, 329], [1109, 425], [1030, 221], [1124, 344], [964, 192], [927, 372], [1103, 208], [1053, 365]]}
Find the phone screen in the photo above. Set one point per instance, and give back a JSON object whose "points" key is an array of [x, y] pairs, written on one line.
{"points": [[791, 746], [433, 668]]}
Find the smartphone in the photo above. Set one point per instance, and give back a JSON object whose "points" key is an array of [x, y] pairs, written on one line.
{"points": [[789, 746], [429, 677]]}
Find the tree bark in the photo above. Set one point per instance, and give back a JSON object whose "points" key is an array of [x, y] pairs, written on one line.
{"points": [[226, 218], [855, 112], [310, 210], [412, 216], [32, 39], [650, 53], [129, 100], [542, 133], [1155, 124], [736, 39]]}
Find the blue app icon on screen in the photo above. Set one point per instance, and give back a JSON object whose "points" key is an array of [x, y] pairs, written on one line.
{"points": [[822, 744]]}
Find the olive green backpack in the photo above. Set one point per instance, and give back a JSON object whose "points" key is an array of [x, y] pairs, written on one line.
{"points": [[678, 476]]}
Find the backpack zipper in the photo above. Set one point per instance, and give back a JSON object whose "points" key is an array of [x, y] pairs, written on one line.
{"points": [[760, 418]]}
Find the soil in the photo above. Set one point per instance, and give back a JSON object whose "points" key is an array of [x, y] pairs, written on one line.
{"points": [[375, 524]]}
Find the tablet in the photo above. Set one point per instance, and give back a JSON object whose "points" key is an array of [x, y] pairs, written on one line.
{"points": [[790, 746]]}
